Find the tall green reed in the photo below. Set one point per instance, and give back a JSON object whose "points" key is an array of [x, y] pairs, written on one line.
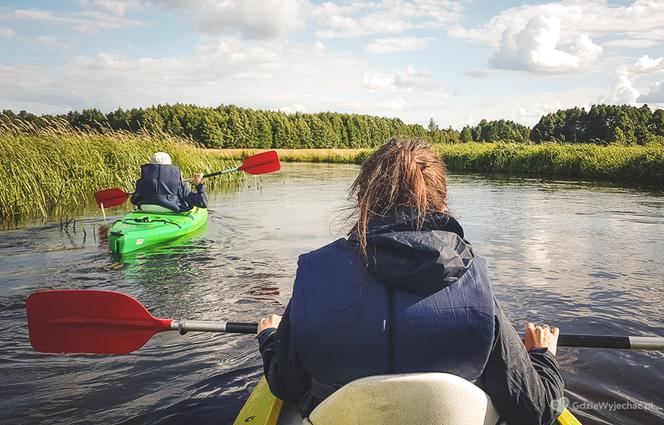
{"points": [[635, 164], [59, 168]]}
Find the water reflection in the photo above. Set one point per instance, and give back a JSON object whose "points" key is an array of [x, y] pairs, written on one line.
{"points": [[178, 259]]}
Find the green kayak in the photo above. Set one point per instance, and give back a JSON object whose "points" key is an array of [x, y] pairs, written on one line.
{"points": [[422, 398], [140, 229]]}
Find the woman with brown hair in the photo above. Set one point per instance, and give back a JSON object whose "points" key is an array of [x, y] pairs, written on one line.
{"points": [[405, 293]]}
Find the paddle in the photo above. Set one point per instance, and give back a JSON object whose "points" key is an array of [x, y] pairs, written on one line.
{"points": [[262, 163], [103, 322], [110, 198], [106, 322]]}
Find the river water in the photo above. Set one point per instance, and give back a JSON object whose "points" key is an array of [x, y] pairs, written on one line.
{"points": [[585, 257]]}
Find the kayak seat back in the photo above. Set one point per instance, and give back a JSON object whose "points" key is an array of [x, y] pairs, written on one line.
{"points": [[418, 398], [154, 208]]}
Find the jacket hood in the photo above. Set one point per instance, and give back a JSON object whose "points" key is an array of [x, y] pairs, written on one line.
{"points": [[424, 260]]}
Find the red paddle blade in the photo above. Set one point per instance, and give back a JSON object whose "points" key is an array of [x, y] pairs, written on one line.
{"points": [[93, 322], [111, 197], [262, 163]]}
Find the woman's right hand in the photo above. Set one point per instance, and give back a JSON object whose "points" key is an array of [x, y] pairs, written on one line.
{"points": [[198, 179], [541, 336], [269, 322]]}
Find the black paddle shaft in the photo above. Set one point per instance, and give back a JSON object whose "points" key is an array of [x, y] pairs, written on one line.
{"points": [[217, 173], [594, 341], [569, 340], [564, 340], [242, 328]]}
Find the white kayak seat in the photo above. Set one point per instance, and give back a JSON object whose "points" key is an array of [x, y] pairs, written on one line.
{"points": [[154, 208], [417, 399]]}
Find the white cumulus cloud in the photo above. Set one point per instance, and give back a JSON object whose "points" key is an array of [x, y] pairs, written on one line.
{"points": [[646, 64], [378, 81], [655, 94], [537, 48], [579, 27], [623, 90]]}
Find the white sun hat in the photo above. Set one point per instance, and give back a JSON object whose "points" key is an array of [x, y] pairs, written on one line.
{"points": [[161, 158]]}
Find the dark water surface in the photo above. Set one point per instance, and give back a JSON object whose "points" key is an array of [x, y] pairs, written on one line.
{"points": [[587, 258]]}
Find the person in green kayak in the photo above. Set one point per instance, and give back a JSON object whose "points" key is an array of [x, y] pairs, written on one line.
{"points": [[405, 293], [161, 187]]}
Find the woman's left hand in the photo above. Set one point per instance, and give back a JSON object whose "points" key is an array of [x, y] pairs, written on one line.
{"points": [[269, 322]]}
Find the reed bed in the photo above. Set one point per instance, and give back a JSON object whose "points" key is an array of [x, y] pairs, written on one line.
{"points": [[633, 164], [59, 169]]}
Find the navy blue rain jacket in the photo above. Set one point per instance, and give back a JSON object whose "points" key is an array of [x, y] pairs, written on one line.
{"points": [[422, 288], [161, 184]]}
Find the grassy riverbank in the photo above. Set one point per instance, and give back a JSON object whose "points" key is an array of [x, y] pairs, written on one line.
{"points": [[44, 172], [633, 164]]}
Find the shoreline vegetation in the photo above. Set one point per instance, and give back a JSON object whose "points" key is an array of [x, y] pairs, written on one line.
{"points": [[640, 165], [58, 170], [50, 165]]}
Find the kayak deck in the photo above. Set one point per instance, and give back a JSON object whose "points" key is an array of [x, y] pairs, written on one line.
{"points": [[139, 229], [263, 408]]}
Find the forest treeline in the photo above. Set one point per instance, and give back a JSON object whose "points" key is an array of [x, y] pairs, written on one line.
{"points": [[229, 126]]}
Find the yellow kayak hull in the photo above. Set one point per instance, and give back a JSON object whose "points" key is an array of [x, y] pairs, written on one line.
{"points": [[263, 408]]}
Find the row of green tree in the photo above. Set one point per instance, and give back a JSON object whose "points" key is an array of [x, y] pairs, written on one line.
{"points": [[491, 131], [229, 126], [234, 127], [625, 125]]}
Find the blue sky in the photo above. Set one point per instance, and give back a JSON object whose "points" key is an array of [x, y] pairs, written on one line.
{"points": [[454, 61]]}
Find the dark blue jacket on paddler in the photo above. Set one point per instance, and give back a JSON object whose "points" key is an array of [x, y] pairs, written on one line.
{"points": [[423, 303], [161, 184]]}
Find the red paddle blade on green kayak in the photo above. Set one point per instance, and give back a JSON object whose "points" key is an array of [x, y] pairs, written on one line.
{"points": [[262, 163], [111, 197], [92, 322]]}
